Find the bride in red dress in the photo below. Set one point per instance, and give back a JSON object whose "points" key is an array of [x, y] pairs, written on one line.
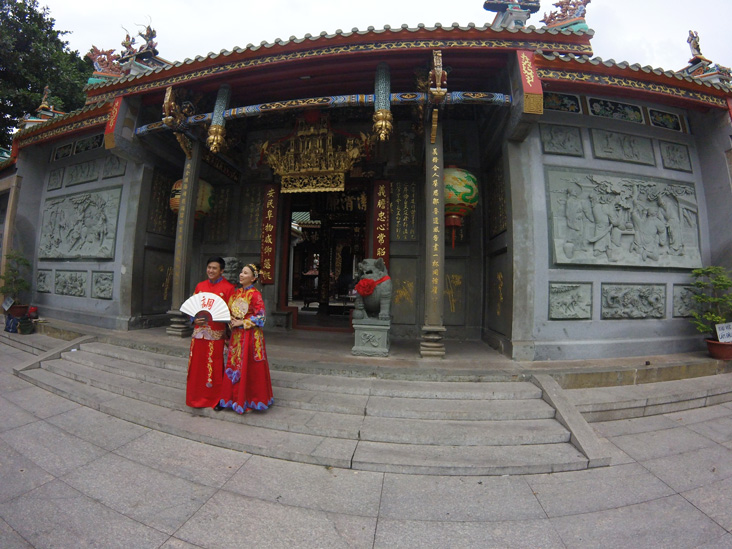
{"points": [[246, 385]]}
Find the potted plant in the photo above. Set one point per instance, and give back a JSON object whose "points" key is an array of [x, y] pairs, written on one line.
{"points": [[713, 295], [15, 281]]}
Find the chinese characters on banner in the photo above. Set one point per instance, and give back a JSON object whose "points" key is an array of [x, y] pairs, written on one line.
{"points": [[269, 216], [435, 201], [381, 221]]}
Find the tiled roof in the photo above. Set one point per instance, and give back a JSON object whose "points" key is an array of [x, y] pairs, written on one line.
{"points": [[624, 66], [324, 37]]}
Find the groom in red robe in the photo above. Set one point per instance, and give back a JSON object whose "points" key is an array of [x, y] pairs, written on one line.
{"points": [[206, 359]]}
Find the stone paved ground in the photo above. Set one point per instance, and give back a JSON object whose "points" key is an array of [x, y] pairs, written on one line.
{"points": [[73, 477]]}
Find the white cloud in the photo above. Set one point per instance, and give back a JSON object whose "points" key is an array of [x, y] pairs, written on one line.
{"points": [[648, 32]]}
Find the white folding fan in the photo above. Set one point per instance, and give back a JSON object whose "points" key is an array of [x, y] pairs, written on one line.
{"points": [[206, 305]]}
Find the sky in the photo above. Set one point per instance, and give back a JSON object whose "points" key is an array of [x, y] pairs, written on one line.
{"points": [[647, 32]]}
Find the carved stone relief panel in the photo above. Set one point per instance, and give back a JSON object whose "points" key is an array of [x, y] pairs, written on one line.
{"points": [[82, 225], [71, 283], [44, 281], [114, 166], [622, 147], [63, 151], [88, 143], [102, 285], [599, 218], [55, 180], [633, 301], [570, 300], [566, 140], [675, 156], [684, 303], [83, 172]]}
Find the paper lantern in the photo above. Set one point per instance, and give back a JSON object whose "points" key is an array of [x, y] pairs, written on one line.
{"points": [[204, 202], [461, 196]]}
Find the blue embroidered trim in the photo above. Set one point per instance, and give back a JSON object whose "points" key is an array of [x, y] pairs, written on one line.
{"points": [[233, 375], [239, 409]]}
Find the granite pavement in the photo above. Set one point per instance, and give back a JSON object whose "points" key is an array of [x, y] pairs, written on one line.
{"points": [[74, 477]]}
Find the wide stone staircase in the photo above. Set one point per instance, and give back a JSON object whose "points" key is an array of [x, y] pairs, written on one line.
{"points": [[363, 423]]}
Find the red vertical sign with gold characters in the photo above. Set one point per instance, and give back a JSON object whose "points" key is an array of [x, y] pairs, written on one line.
{"points": [[381, 221], [269, 233], [112, 124], [531, 84]]}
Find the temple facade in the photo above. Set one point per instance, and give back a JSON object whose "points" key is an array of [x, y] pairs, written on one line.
{"points": [[581, 193]]}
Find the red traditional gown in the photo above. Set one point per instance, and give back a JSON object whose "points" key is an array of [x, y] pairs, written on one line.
{"points": [[246, 383], [206, 359]]}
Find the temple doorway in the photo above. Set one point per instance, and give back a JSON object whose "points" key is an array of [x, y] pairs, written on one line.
{"points": [[328, 240]]}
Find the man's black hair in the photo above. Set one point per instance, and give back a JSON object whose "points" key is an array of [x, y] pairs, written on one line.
{"points": [[219, 260]]}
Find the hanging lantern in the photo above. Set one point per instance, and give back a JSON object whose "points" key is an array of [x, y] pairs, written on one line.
{"points": [[461, 196], [203, 203]]}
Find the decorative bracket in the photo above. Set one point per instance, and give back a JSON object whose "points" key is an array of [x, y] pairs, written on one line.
{"points": [[437, 91], [175, 113]]}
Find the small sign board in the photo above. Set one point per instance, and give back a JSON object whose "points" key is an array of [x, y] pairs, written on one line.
{"points": [[8, 303], [724, 332]]}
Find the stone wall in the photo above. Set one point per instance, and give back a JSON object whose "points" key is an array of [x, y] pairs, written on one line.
{"points": [[80, 227], [620, 219]]}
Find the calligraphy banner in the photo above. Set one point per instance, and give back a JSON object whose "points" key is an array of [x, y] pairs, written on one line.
{"points": [[380, 244], [269, 233]]}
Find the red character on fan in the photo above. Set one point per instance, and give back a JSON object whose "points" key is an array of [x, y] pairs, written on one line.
{"points": [[206, 359], [247, 385]]}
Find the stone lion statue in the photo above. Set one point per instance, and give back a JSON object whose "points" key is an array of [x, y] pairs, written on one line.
{"points": [[374, 291]]}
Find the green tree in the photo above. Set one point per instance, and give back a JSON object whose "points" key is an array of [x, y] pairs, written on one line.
{"points": [[32, 56]]}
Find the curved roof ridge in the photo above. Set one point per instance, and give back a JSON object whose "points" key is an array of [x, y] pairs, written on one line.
{"points": [[625, 65], [324, 35]]}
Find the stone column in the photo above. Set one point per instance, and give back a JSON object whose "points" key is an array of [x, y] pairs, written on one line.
{"points": [[179, 323], [12, 185], [432, 344]]}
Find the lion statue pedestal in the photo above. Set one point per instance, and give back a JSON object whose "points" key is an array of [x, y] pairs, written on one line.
{"points": [[372, 312]]}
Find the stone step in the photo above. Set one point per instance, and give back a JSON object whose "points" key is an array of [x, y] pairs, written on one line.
{"points": [[423, 408], [334, 402], [319, 450], [467, 460], [456, 390], [138, 356], [336, 425], [133, 370], [170, 397], [463, 433], [314, 449], [36, 344]]}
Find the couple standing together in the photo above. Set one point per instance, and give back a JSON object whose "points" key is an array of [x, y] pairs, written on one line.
{"points": [[238, 379]]}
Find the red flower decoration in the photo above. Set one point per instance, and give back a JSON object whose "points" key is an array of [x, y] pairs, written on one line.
{"points": [[365, 287]]}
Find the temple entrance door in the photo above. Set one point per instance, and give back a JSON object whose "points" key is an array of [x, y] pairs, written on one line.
{"points": [[328, 240]]}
